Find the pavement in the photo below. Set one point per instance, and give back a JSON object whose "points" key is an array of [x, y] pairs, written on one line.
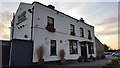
{"points": [[94, 63]]}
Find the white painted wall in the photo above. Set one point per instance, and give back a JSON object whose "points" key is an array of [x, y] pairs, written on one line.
{"points": [[26, 30], [42, 37], [62, 26]]}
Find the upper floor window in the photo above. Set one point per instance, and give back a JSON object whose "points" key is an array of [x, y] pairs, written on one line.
{"points": [[89, 35], [50, 21], [50, 24], [72, 29], [81, 32]]}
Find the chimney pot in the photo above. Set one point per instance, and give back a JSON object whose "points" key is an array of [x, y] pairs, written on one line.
{"points": [[51, 6]]}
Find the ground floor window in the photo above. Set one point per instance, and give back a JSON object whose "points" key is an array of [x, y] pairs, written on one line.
{"points": [[91, 49], [53, 47], [73, 47]]}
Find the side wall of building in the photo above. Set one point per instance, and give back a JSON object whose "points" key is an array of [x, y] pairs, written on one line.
{"points": [[99, 47], [22, 28]]}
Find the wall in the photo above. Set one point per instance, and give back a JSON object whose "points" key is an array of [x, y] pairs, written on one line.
{"points": [[5, 52], [99, 47], [62, 25], [26, 30]]}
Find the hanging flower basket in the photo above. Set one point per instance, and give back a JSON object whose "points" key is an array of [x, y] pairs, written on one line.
{"points": [[72, 33], [89, 37], [50, 28]]}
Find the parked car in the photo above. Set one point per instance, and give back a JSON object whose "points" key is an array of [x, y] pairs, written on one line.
{"points": [[117, 53], [113, 54], [107, 53], [118, 56]]}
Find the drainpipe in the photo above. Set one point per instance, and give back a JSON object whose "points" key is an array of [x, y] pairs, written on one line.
{"points": [[12, 33], [31, 11], [12, 25]]}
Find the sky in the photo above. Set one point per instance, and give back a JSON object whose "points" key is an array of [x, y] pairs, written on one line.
{"points": [[103, 15]]}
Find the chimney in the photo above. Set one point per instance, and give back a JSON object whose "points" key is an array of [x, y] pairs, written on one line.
{"points": [[81, 20], [51, 6]]}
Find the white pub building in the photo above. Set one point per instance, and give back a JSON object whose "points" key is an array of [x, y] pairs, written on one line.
{"points": [[45, 26]]}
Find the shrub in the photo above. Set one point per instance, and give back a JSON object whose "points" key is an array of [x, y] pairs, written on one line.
{"points": [[40, 52], [119, 63], [62, 54], [113, 63], [80, 59]]}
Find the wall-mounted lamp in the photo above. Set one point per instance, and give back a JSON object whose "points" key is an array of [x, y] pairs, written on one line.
{"points": [[29, 10]]}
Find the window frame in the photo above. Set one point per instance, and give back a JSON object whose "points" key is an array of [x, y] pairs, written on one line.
{"points": [[81, 32], [91, 49], [48, 23], [52, 48], [73, 28], [71, 43], [89, 33]]}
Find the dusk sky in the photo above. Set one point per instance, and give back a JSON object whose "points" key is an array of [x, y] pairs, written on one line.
{"points": [[103, 15]]}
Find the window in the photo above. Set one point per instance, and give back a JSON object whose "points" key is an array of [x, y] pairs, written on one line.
{"points": [[72, 29], [91, 49], [53, 47], [89, 35], [81, 32], [50, 24], [50, 21], [73, 47]]}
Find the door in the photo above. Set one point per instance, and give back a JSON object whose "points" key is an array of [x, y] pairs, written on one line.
{"points": [[84, 51], [21, 54]]}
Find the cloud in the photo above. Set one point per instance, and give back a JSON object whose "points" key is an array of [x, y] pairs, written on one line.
{"points": [[5, 36], [106, 32], [108, 26], [112, 19], [6, 15]]}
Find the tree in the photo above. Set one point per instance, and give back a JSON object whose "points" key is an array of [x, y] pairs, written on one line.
{"points": [[106, 48]]}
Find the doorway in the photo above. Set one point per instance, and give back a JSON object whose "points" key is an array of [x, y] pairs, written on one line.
{"points": [[84, 51]]}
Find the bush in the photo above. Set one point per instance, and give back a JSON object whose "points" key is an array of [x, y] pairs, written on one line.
{"points": [[40, 52], [80, 59], [113, 63], [119, 63], [62, 54]]}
